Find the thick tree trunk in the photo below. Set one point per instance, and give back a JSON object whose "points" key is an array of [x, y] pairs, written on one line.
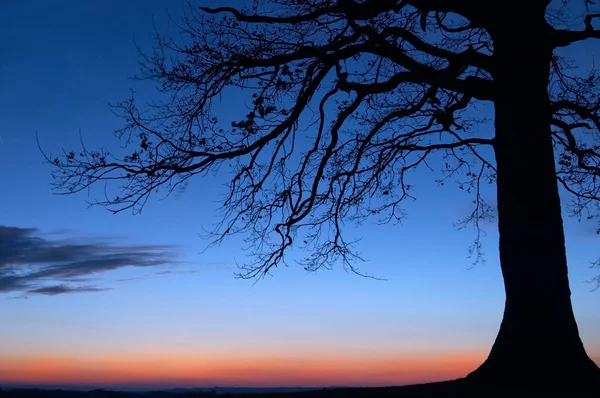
{"points": [[538, 345]]}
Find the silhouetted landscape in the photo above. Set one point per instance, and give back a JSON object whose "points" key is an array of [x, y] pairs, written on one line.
{"points": [[451, 389], [201, 391]]}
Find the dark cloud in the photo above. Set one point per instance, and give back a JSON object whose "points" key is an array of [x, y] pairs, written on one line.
{"points": [[61, 289], [31, 264]]}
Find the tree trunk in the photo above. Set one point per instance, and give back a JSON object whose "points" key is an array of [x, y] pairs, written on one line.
{"points": [[538, 345]]}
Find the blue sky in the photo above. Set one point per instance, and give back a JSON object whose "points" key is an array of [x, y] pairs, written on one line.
{"points": [[61, 64]]}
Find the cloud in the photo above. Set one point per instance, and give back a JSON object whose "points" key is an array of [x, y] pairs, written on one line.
{"points": [[31, 264], [61, 289]]}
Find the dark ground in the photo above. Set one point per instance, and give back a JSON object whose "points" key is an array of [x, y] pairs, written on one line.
{"points": [[450, 389]]}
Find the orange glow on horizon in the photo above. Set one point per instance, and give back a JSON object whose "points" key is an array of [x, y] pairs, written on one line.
{"points": [[158, 371]]}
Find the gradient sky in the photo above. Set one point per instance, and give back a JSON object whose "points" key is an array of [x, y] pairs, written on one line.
{"points": [[132, 301]]}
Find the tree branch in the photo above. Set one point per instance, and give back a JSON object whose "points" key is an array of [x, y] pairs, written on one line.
{"points": [[349, 8], [564, 37], [469, 57]]}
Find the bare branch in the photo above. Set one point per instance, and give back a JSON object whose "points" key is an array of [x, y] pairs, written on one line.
{"points": [[563, 37], [343, 98]]}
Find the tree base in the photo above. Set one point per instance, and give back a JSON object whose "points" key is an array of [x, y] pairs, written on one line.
{"points": [[551, 372]]}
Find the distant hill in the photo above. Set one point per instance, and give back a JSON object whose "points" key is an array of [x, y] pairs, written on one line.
{"points": [[201, 390], [69, 387], [243, 390], [459, 388]]}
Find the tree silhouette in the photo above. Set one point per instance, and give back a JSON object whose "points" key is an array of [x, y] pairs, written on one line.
{"points": [[346, 97]]}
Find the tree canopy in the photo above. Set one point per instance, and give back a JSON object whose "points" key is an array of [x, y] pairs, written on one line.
{"points": [[343, 99]]}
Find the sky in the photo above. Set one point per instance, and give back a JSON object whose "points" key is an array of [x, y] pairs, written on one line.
{"points": [[135, 301]]}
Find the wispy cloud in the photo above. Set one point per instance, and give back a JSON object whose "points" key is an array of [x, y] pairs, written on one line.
{"points": [[31, 264], [61, 289]]}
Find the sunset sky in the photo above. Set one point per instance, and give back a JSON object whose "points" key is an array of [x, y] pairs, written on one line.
{"points": [[134, 301]]}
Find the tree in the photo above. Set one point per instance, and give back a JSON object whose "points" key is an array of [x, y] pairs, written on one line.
{"points": [[345, 97]]}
